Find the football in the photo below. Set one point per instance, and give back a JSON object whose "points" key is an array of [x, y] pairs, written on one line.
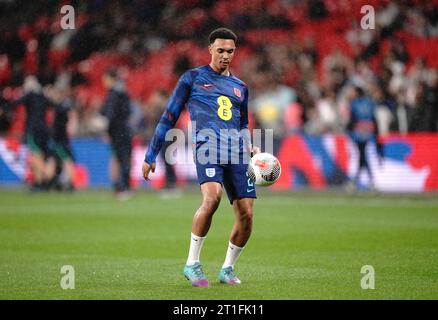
{"points": [[264, 169]]}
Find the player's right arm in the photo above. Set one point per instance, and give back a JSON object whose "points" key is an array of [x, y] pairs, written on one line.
{"points": [[168, 120]]}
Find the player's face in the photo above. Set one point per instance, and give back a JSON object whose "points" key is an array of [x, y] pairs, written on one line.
{"points": [[222, 52]]}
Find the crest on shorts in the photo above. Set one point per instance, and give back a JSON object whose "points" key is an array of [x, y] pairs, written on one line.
{"points": [[237, 92], [210, 172]]}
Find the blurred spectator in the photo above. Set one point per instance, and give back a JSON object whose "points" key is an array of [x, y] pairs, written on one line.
{"points": [[363, 130], [37, 135], [151, 113], [327, 113], [270, 104], [65, 159], [116, 109], [384, 111]]}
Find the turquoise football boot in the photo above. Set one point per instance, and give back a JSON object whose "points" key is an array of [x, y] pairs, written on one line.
{"points": [[195, 275], [228, 276]]}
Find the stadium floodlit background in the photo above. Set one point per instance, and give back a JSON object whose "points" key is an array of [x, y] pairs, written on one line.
{"points": [[301, 61]]}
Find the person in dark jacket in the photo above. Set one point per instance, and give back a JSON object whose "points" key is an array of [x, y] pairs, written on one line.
{"points": [[37, 135], [116, 108], [65, 160]]}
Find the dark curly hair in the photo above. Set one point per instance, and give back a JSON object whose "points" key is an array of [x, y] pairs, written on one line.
{"points": [[222, 33]]}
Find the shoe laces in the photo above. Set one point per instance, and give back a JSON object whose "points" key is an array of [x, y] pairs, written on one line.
{"points": [[198, 271], [229, 272]]}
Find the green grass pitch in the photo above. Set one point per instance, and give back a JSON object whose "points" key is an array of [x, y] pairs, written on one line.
{"points": [[304, 246]]}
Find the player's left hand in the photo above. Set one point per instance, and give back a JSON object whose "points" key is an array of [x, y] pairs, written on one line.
{"points": [[147, 168], [254, 150]]}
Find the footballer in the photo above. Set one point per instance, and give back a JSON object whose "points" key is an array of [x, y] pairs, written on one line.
{"points": [[216, 100]]}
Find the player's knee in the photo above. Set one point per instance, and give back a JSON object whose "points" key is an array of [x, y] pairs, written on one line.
{"points": [[211, 203], [246, 216]]}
